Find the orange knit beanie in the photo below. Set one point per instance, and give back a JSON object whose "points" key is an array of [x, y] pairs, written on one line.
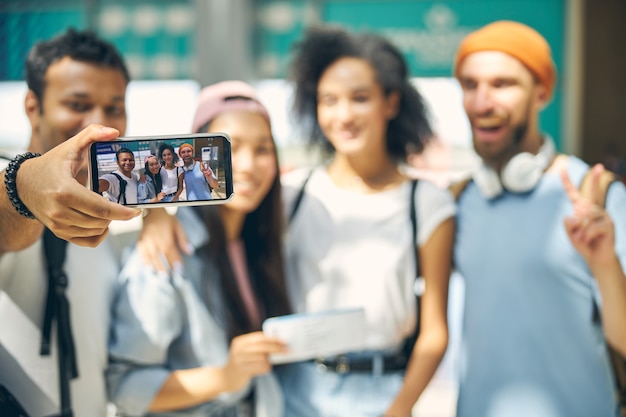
{"points": [[517, 40], [183, 146]]}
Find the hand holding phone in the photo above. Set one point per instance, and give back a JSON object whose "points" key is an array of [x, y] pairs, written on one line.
{"points": [[179, 170]]}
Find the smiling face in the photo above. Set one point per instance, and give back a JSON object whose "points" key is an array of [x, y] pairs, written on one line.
{"points": [[253, 157], [502, 101], [168, 158], [126, 162], [186, 154], [352, 109], [153, 165], [76, 94]]}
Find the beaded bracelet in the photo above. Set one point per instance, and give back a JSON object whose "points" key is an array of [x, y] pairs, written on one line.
{"points": [[11, 185]]}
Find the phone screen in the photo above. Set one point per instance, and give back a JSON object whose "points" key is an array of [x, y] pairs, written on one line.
{"points": [[161, 171]]}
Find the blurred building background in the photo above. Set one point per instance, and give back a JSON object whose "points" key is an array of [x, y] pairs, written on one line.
{"points": [[175, 47], [212, 40]]}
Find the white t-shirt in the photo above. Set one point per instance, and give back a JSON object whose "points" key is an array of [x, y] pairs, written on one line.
{"points": [[345, 249], [114, 187], [23, 284], [170, 179]]}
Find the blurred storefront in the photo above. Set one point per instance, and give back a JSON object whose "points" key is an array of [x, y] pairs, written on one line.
{"points": [[212, 40]]}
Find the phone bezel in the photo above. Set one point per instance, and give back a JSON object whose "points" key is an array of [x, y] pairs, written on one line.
{"points": [[93, 173]]}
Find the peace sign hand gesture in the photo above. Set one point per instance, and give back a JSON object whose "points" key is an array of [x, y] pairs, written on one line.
{"points": [[590, 228]]}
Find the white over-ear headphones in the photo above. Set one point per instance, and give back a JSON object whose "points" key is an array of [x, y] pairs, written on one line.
{"points": [[520, 174]]}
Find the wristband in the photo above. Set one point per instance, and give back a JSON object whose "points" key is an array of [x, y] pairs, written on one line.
{"points": [[10, 183]]}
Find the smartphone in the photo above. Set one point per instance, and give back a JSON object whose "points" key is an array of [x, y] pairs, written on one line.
{"points": [[123, 172]]}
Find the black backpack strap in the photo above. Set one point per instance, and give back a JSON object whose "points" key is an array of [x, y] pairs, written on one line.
{"points": [[298, 200], [9, 405], [122, 188], [411, 340], [58, 307]]}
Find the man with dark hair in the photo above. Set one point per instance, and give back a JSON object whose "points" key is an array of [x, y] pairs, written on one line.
{"points": [[121, 184], [73, 80], [76, 86]]}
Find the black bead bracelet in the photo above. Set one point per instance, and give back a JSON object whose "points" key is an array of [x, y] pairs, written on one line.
{"points": [[11, 185]]}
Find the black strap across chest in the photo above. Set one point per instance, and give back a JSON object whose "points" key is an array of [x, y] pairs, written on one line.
{"points": [[123, 183], [58, 310]]}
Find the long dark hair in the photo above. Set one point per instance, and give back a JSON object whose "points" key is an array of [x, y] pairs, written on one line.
{"points": [[157, 180], [261, 236], [321, 46]]}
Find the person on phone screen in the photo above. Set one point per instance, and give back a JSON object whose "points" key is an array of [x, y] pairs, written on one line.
{"points": [[120, 186], [149, 187], [172, 174], [199, 178], [543, 265], [187, 341], [76, 86]]}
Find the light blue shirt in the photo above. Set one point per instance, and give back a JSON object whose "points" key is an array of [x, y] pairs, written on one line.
{"points": [[161, 323], [530, 346], [196, 184], [146, 190]]}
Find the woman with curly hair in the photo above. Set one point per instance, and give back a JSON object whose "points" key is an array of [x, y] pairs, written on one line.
{"points": [[351, 242]]}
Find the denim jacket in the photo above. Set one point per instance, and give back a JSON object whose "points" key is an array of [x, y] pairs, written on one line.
{"points": [[161, 323]]}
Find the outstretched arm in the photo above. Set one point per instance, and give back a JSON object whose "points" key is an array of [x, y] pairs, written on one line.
{"points": [[591, 231], [48, 187]]}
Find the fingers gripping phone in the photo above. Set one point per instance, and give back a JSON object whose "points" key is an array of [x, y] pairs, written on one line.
{"points": [[163, 171]]}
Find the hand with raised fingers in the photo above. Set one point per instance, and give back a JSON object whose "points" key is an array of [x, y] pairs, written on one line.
{"points": [[590, 228]]}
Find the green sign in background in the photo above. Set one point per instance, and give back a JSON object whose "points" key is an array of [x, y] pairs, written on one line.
{"points": [[428, 32]]}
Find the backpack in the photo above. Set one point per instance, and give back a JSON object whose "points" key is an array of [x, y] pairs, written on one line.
{"points": [[123, 183], [618, 362]]}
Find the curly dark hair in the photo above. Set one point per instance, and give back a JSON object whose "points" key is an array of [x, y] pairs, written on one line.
{"points": [[321, 46], [83, 46], [169, 147]]}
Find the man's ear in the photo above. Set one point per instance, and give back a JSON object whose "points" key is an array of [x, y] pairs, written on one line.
{"points": [[33, 110], [393, 105], [543, 96]]}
